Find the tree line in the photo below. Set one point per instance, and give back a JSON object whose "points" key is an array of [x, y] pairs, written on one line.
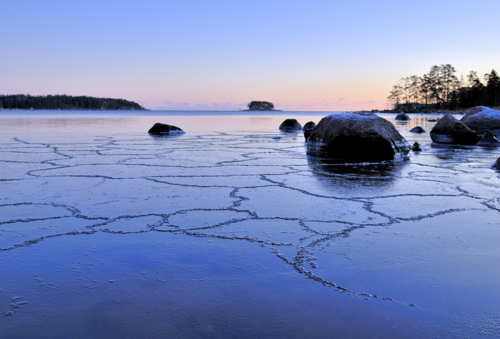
{"points": [[26, 101], [442, 89]]}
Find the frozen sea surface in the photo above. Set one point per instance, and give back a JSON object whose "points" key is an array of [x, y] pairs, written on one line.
{"points": [[230, 230]]}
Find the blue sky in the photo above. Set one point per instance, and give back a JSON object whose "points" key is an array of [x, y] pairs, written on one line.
{"points": [[314, 55]]}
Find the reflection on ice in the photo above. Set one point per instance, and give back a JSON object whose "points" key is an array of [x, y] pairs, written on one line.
{"points": [[339, 176]]}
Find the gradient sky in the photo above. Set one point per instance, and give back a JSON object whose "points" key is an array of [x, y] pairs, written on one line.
{"points": [[194, 54]]}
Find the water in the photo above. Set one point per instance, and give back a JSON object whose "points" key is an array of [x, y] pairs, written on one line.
{"points": [[230, 230]]}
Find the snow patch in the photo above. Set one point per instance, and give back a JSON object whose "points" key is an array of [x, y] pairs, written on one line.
{"points": [[486, 112], [352, 116]]}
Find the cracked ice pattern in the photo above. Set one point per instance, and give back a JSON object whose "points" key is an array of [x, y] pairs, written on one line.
{"points": [[253, 187]]}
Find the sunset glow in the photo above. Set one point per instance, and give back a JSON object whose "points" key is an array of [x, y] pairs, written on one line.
{"points": [[323, 55]]}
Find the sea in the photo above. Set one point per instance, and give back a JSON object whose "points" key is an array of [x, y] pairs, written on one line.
{"points": [[231, 231]]}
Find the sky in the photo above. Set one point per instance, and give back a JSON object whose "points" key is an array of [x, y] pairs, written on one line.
{"points": [[310, 55]]}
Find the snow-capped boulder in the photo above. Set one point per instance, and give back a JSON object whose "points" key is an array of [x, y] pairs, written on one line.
{"points": [[290, 125], [449, 130], [480, 119], [488, 139], [402, 116], [417, 129], [356, 137], [164, 129]]}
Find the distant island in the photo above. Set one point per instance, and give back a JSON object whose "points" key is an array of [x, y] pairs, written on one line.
{"points": [[22, 101], [261, 106]]}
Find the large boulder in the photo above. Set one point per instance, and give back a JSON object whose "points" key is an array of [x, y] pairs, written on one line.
{"points": [[164, 129], [356, 137], [449, 130], [290, 125], [402, 116], [480, 119]]}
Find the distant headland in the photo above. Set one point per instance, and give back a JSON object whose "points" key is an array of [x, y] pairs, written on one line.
{"points": [[22, 101], [260, 106]]}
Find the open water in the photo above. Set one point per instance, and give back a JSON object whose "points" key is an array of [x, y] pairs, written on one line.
{"points": [[230, 230]]}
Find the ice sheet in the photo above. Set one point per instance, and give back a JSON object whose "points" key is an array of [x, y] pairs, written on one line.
{"points": [[239, 233]]}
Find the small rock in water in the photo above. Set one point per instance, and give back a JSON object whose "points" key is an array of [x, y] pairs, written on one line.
{"points": [[309, 125], [488, 139], [416, 147], [417, 129], [290, 125], [402, 116], [164, 129]]}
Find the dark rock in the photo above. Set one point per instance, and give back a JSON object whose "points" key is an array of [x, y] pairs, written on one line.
{"points": [[488, 139], [356, 137], [417, 129], [449, 130], [432, 120], [290, 125], [307, 134], [402, 117], [164, 129], [480, 119], [497, 164], [416, 147], [309, 125]]}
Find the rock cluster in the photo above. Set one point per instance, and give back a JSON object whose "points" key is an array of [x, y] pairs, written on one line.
{"points": [[468, 131], [449, 130]]}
